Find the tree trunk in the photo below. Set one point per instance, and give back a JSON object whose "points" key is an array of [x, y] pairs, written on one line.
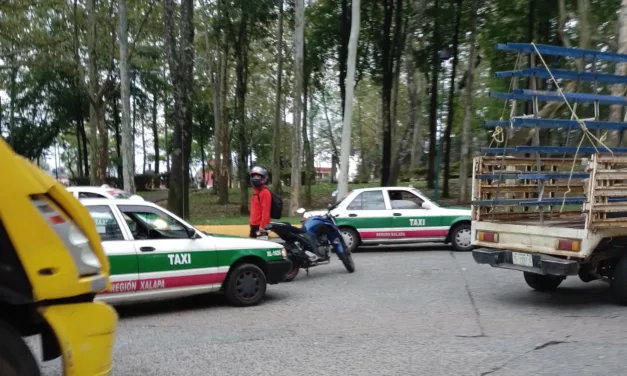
{"points": [[345, 30], [241, 71], [451, 104], [99, 133], [118, 137], [433, 106], [155, 132], [144, 159], [180, 61], [464, 193], [299, 42], [335, 159], [128, 151], [276, 137], [387, 58], [414, 88], [348, 104], [306, 144], [621, 69], [13, 93]]}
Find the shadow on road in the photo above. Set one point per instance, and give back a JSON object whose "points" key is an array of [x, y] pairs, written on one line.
{"points": [[594, 294], [192, 303]]}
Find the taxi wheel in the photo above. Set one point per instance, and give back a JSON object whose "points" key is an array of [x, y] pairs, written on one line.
{"points": [[16, 359], [351, 238], [246, 285], [461, 238]]}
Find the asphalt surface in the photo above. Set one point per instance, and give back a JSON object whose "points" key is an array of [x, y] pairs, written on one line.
{"points": [[418, 311]]}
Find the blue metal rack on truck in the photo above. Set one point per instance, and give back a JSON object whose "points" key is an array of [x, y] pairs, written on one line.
{"points": [[555, 211]]}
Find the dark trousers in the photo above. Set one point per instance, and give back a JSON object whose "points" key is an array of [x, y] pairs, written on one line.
{"points": [[253, 231]]}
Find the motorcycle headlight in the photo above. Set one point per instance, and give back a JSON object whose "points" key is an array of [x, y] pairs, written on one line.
{"points": [[284, 253]]}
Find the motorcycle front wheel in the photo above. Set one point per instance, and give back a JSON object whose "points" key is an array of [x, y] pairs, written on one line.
{"points": [[347, 258]]}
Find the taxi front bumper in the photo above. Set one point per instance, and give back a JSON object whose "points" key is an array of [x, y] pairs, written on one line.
{"points": [[85, 334]]}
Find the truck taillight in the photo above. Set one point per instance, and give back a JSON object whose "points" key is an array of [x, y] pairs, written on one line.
{"points": [[568, 245], [491, 237]]}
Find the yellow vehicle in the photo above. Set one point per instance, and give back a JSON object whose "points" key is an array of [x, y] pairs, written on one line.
{"points": [[51, 267]]}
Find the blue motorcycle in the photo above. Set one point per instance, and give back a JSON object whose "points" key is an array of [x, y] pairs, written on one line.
{"points": [[312, 244]]}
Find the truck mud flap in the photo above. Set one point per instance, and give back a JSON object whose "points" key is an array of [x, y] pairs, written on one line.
{"points": [[541, 264]]}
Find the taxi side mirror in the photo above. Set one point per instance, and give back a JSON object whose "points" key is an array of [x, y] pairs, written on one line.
{"points": [[425, 205], [191, 232]]}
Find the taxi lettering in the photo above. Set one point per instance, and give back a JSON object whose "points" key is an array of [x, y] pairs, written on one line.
{"points": [[152, 284], [180, 259], [417, 222], [124, 286]]}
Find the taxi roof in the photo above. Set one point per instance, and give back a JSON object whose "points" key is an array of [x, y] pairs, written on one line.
{"points": [[116, 201]]}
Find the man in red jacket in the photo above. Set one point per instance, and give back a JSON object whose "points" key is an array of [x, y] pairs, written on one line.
{"points": [[260, 203]]}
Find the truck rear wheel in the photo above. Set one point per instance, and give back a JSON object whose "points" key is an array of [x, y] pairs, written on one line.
{"points": [[16, 359], [541, 282], [618, 284]]}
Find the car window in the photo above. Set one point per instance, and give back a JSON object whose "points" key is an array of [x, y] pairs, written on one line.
{"points": [[369, 200], [89, 195], [143, 219], [404, 200], [107, 226]]}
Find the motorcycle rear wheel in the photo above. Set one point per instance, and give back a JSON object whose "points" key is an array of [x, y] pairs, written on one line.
{"points": [[291, 275]]}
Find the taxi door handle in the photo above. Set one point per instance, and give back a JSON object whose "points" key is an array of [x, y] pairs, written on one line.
{"points": [[147, 249], [352, 215], [397, 214]]}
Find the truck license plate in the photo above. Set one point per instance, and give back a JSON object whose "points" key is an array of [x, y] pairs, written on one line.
{"points": [[523, 259]]}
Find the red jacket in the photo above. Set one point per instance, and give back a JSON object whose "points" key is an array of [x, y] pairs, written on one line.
{"points": [[260, 205]]}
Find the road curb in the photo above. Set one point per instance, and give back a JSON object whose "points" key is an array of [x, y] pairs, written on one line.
{"points": [[231, 230]]}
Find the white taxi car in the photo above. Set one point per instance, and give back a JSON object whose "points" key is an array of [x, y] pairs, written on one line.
{"points": [[398, 215], [155, 254]]}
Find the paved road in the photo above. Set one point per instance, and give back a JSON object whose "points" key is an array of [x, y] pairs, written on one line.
{"points": [[403, 312]]}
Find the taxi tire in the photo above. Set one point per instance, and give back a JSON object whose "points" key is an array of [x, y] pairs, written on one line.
{"points": [[356, 238], [454, 232], [15, 355], [250, 271]]}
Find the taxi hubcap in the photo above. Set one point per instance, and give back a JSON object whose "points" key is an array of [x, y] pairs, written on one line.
{"points": [[348, 239], [463, 238], [248, 284]]}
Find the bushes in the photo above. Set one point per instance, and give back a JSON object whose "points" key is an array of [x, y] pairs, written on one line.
{"points": [[144, 182]]}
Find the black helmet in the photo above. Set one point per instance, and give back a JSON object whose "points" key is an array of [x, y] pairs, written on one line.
{"points": [[262, 174]]}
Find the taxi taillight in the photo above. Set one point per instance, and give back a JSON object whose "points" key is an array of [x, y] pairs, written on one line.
{"points": [[568, 245], [490, 237]]}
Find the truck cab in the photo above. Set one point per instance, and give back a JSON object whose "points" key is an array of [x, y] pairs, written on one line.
{"points": [[51, 267]]}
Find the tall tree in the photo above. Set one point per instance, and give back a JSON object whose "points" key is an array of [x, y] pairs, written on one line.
{"points": [[433, 107], [127, 149], [276, 138], [464, 192], [181, 63], [348, 104], [299, 42], [98, 130], [451, 102], [621, 69]]}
